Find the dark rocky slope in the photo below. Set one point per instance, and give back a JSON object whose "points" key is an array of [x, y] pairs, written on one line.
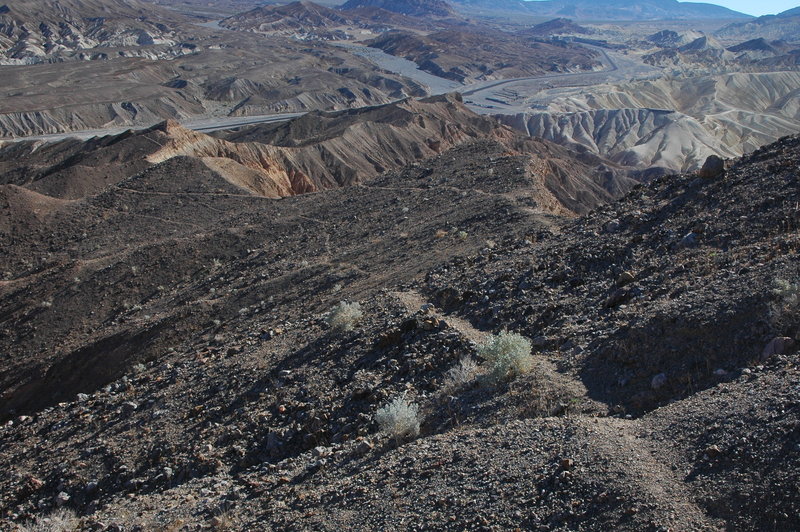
{"points": [[649, 406]]}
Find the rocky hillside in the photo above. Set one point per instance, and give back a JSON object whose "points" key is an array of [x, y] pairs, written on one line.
{"points": [[784, 26], [657, 140], [662, 392], [33, 31], [314, 152], [414, 8], [309, 21], [674, 123], [557, 26], [473, 54], [223, 76], [301, 20]]}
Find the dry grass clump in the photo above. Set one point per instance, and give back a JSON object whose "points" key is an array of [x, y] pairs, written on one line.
{"points": [[461, 374], [57, 521]]}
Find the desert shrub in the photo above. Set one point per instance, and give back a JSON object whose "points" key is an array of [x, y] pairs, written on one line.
{"points": [[786, 293], [57, 521], [461, 374], [399, 418], [507, 354], [344, 316], [786, 305]]}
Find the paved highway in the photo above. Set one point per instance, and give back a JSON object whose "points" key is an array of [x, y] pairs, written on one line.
{"points": [[205, 125]]}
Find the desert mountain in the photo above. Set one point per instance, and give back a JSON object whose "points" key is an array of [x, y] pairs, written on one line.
{"points": [[466, 55], [224, 75], [671, 124], [414, 8], [170, 304], [610, 9], [653, 139], [309, 21], [42, 30], [301, 20], [314, 152], [674, 39], [288, 16], [784, 26], [166, 176], [758, 50], [706, 54], [557, 26]]}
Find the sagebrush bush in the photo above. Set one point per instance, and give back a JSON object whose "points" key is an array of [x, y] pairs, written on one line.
{"points": [[399, 418], [344, 316], [788, 294], [461, 374], [508, 354]]}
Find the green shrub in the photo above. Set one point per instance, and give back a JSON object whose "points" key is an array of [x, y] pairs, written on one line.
{"points": [[508, 354]]}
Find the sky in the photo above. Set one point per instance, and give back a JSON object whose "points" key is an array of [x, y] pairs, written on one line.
{"points": [[763, 7]]}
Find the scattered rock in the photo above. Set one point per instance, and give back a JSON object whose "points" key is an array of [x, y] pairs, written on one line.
{"points": [[612, 226], [713, 167], [658, 381], [778, 346], [712, 451], [625, 278]]}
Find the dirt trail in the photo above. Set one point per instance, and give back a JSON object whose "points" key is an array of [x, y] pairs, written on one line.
{"points": [[648, 472], [614, 440], [414, 301]]}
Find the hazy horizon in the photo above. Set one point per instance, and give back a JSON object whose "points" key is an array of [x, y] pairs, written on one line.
{"points": [[766, 7]]}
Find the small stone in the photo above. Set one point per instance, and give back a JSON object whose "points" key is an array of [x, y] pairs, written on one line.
{"points": [[712, 451], [62, 498], [322, 451], [429, 324], [720, 372], [616, 298], [567, 463], [658, 381], [690, 239], [83, 397], [364, 447], [780, 345], [539, 341], [612, 226], [625, 278], [128, 407]]}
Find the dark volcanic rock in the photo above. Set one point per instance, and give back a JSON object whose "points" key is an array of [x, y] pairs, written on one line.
{"points": [[228, 401]]}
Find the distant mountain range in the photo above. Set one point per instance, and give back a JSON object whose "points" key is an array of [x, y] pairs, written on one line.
{"points": [[605, 9], [414, 8], [783, 26]]}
